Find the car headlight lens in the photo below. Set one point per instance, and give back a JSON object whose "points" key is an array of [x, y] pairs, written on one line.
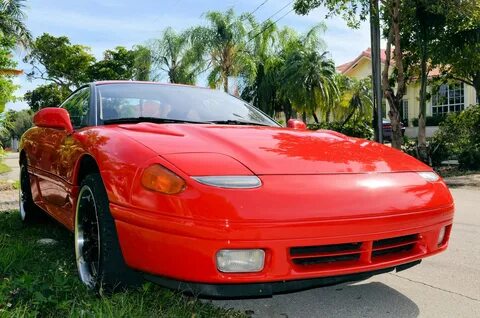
{"points": [[240, 261], [231, 182], [160, 179], [429, 176]]}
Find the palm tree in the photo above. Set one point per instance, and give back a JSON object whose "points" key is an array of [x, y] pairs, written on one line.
{"points": [[180, 55], [12, 24], [227, 37], [262, 86], [358, 99], [309, 78]]}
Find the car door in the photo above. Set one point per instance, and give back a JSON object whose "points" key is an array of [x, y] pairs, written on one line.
{"points": [[55, 161]]}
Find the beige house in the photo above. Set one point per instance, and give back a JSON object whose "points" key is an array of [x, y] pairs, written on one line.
{"points": [[450, 98]]}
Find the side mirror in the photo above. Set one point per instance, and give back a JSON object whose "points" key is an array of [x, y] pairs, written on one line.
{"points": [[53, 117], [296, 124]]}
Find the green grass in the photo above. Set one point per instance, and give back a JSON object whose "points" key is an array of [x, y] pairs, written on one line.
{"points": [[4, 168], [41, 281]]}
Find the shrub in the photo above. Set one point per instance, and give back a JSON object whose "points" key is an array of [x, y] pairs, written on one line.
{"points": [[459, 137], [360, 130], [435, 120], [436, 151], [469, 159]]}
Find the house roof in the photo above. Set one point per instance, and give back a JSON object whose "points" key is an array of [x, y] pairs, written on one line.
{"points": [[365, 54], [344, 68]]}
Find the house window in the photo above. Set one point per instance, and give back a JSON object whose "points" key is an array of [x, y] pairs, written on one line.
{"points": [[449, 98], [405, 110]]}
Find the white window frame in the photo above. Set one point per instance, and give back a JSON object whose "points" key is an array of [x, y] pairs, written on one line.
{"points": [[443, 104]]}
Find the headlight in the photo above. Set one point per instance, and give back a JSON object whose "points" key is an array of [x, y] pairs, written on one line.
{"points": [[160, 179], [240, 261], [231, 182], [429, 176]]}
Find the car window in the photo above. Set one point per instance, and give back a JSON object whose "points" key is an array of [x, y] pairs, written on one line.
{"points": [[77, 106], [134, 100]]}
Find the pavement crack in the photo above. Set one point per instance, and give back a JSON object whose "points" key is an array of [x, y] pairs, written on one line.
{"points": [[435, 287]]}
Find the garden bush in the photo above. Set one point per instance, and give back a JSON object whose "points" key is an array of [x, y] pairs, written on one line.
{"points": [[436, 150], [435, 120], [459, 137], [359, 130]]}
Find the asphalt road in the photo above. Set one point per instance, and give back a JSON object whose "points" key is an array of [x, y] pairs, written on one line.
{"points": [[445, 285]]}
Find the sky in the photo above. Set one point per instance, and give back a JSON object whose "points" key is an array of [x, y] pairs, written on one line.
{"points": [[106, 24]]}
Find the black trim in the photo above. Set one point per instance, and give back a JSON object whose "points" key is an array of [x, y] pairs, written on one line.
{"points": [[265, 289]]}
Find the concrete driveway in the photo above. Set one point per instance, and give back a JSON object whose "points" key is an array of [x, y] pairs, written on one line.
{"points": [[445, 285], [11, 160]]}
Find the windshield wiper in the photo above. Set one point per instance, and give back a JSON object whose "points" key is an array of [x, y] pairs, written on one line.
{"points": [[151, 120], [236, 122]]}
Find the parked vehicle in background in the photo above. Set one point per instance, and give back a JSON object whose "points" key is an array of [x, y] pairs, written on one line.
{"points": [[387, 129]]}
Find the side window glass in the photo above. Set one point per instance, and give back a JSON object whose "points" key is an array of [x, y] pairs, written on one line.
{"points": [[77, 106]]}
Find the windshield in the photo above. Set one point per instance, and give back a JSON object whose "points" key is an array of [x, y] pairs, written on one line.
{"points": [[149, 102]]}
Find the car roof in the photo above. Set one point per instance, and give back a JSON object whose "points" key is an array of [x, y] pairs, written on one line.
{"points": [[98, 83]]}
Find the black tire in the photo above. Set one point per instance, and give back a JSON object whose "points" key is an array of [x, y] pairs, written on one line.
{"points": [[104, 270], [29, 211]]}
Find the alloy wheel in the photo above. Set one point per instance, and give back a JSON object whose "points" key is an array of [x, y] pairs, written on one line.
{"points": [[87, 238]]}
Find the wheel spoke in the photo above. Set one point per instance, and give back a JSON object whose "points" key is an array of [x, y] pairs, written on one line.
{"points": [[87, 237]]}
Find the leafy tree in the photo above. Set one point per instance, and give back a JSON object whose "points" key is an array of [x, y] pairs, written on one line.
{"points": [[7, 87], [423, 22], [263, 88], [355, 103], [226, 40], [143, 63], [121, 64], [309, 77], [458, 48], [46, 96], [353, 11], [15, 123], [55, 59], [12, 24], [291, 73], [179, 55]]}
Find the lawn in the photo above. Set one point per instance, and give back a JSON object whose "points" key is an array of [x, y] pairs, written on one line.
{"points": [[4, 168], [41, 280]]}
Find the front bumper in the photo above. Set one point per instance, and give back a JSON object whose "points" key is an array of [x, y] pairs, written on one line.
{"points": [[171, 249], [266, 289]]}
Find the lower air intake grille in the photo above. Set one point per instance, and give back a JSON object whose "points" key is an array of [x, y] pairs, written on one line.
{"points": [[355, 253]]}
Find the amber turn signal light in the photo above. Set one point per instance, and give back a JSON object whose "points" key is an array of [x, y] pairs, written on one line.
{"points": [[160, 179]]}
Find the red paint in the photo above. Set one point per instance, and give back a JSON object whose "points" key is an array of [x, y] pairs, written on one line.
{"points": [[296, 124], [52, 117], [318, 188]]}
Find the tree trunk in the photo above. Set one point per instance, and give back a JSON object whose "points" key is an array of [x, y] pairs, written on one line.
{"points": [[327, 116], [394, 100], [348, 118], [422, 138], [315, 117], [225, 83], [395, 121], [304, 117]]}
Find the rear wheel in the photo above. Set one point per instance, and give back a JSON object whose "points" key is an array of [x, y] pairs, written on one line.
{"points": [[29, 211], [99, 258]]}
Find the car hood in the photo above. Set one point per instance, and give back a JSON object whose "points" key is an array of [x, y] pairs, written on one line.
{"points": [[274, 151]]}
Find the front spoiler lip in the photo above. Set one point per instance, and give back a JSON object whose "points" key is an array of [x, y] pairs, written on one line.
{"points": [[258, 290]]}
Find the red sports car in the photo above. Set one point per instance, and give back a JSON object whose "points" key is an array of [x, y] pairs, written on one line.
{"points": [[197, 190]]}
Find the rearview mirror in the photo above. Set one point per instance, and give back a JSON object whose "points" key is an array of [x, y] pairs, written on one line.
{"points": [[53, 117], [296, 124]]}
